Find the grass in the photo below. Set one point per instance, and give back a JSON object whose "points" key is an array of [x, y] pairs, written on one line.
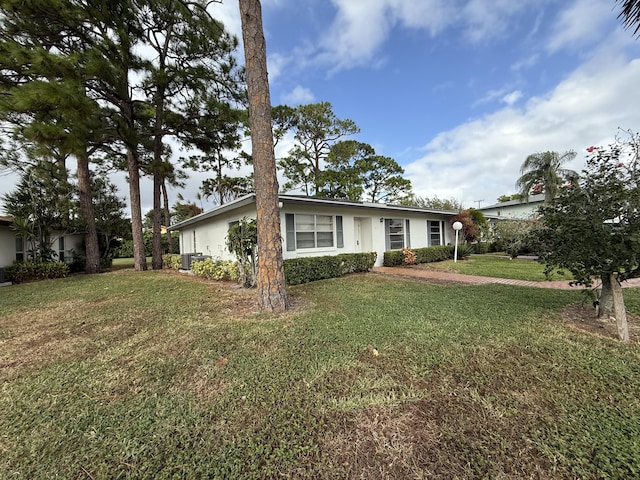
{"points": [[156, 375], [499, 267]]}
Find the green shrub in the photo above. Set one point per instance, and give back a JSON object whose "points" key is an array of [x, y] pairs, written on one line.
{"points": [[21, 272], [357, 262], [215, 269], [464, 251], [481, 248], [310, 269], [172, 260], [394, 258]]}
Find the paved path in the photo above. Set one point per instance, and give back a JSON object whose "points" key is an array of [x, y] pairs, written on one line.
{"points": [[450, 277]]}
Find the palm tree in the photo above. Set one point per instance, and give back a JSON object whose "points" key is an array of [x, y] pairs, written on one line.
{"points": [[630, 14], [543, 171]]}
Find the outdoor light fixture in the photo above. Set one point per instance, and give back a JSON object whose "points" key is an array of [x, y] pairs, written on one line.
{"points": [[457, 226], [381, 219]]}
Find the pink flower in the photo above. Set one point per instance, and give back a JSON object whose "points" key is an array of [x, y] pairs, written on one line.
{"points": [[591, 149]]}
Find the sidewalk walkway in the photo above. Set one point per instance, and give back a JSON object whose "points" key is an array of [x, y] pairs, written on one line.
{"points": [[450, 277]]}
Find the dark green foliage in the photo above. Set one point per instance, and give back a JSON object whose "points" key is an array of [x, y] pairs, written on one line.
{"points": [[242, 241], [23, 272], [481, 248], [592, 227], [310, 269], [125, 250], [357, 262], [423, 255]]}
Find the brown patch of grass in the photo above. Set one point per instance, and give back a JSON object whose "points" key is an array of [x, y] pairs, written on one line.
{"points": [[583, 318]]}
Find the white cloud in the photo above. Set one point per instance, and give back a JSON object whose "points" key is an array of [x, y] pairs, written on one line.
{"points": [[512, 98], [298, 96], [481, 159], [582, 23]]}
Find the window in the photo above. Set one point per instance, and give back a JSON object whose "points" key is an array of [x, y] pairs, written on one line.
{"points": [[434, 232], [313, 231], [396, 233], [61, 249], [19, 249]]}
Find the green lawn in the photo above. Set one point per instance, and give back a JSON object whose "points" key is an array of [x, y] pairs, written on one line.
{"points": [[497, 266], [158, 375]]}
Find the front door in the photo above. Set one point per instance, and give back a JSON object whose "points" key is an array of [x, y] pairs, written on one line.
{"points": [[357, 226]]}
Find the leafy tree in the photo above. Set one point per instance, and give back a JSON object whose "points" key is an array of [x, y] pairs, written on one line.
{"points": [[544, 172], [316, 129], [592, 228], [383, 180], [44, 97], [434, 203], [342, 177], [270, 281], [242, 241], [470, 230], [183, 210], [630, 14], [508, 198], [41, 204]]}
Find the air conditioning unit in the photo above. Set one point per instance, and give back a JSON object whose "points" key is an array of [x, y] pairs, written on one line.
{"points": [[200, 258], [187, 258]]}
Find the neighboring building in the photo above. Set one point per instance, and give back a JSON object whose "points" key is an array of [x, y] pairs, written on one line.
{"points": [[14, 248], [514, 209], [314, 227]]}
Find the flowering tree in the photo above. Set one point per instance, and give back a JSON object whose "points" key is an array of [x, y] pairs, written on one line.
{"points": [[592, 228]]}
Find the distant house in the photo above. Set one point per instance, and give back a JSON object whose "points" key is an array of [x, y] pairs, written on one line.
{"points": [[316, 227], [514, 209], [14, 248]]}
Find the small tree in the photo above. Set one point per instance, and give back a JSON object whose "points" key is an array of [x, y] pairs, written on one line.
{"points": [[470, 230], [242, 241], [592, 228]]}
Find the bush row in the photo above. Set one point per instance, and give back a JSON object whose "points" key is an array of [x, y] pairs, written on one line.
{"points": [[172, 260], [310, 269], [22, 272], [394, 258], [215, 269]]}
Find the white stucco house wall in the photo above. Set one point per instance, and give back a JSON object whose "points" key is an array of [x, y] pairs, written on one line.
{"points": [[14, 248], [514, 209], [313, 227]]}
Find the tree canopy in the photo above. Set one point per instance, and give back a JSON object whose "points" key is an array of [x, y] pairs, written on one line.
{"points": [[544, 172]]}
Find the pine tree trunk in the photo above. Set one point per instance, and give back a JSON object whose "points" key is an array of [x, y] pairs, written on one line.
{"points": [[605, 300], [270, 281], [619, 310], [139, 258], [156, 252], [167, 214], [92, 249]]}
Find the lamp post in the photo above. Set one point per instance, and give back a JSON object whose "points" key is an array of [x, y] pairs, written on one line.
{"points": [[457, 226]]}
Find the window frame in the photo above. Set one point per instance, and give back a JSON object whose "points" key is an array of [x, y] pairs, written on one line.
{"points": [[299, 231]]}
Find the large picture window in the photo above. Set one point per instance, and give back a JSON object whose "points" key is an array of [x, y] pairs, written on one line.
{"points": [[312, 231]]}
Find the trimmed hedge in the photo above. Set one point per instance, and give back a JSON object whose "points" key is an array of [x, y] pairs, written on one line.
{"points": [[394, 258], [215, 269], [310, 269], [22, 272]]}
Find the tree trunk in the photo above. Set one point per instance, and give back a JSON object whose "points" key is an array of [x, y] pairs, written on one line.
{"points": [[605, 299], [92, 249], [167, 214], [619, 310], [156, 252], [270, 281], [139, 258]]}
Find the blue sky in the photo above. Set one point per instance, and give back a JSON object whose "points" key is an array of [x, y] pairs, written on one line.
{"points": [[459, 92]]}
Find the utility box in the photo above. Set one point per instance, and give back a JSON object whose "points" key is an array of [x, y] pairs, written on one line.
{"points": [[187, 258]]}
